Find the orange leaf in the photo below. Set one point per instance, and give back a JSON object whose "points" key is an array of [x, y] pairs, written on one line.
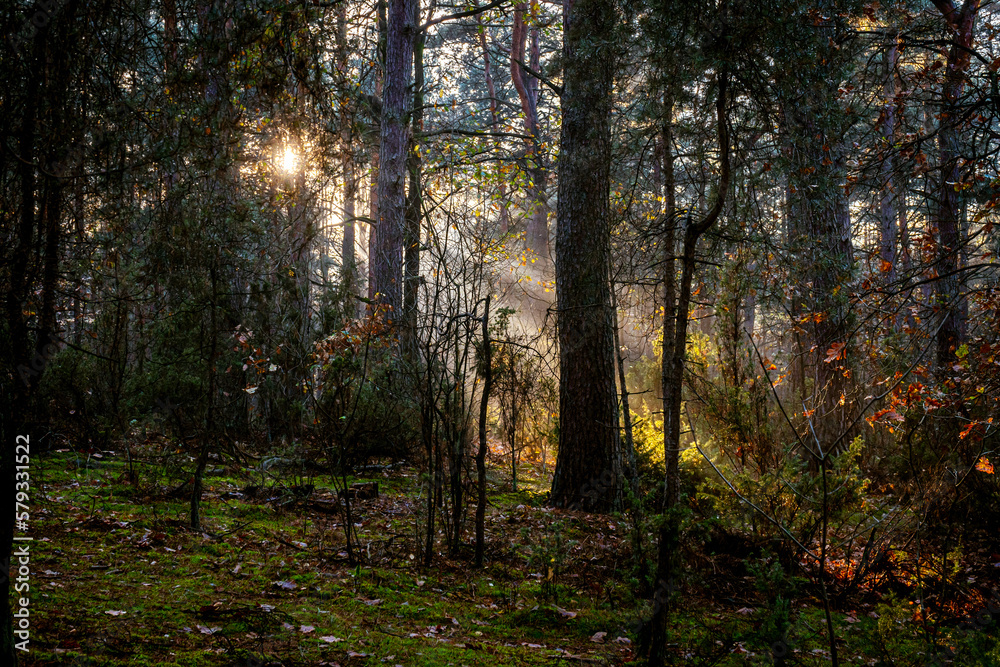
{"points": [[970, 430], [835, 352], [984, 465]]}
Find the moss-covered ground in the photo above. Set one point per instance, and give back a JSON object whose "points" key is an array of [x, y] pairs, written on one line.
{"points": [[119, 578]]}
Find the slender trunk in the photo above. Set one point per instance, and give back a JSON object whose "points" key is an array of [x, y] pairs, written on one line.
{"points": [[414, 203], [537, 231], [632, 471], [512, 438], [51, 217], [672, 384], [372, 215], [888, 216], [348, 249], [669, 247], [495, 127], [373, 207], [487, 365], [209, 435], [748, 316]]}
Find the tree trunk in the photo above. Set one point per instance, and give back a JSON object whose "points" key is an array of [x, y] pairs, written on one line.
{"points": [[672, 386], [821, 234], [631, 469], [17, 418], [946, 220], [487, 365], [537, 228], [373, 207], [414, 202], [495, 127], [387, 262], [348, 250], [890, 196], [589, 466]]}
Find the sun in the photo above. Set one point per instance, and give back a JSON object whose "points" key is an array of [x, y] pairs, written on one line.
{"points": [[289, 160]]}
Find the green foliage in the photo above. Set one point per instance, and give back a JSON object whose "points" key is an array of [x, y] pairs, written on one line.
{"points": [[548, 557], [777, 587], [361, 412]]}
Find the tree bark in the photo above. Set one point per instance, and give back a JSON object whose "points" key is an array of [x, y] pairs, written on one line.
{"points": [[821, 234], [495, 127], [373, 207], [888, 216], [387, 262], [17, 417], [487, 365], [588, 468], [537, 228], [414, 200], [949, 288], [349, 247]]}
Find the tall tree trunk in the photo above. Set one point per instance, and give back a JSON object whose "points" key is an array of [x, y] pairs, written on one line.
{"points": [[793, 243], [949, 292], [820, 227], [373, 216], [17, 417], [387, 262], [495, 127], [373, 207], [888, 216], [348, 250], [589, 466], [349, 247], [414, 201], [537, 228]]}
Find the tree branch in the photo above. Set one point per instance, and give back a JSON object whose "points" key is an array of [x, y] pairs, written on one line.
{"points": [[556, 88], [462, 15]]}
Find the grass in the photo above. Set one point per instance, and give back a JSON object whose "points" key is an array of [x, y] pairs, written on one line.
{"points": [[119, 579]]}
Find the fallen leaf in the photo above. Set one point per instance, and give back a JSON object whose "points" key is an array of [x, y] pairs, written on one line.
{"points": [[566, 614], [598, 637]]}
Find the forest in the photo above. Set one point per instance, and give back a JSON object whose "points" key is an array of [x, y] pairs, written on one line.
{"points": [[499, 332]]}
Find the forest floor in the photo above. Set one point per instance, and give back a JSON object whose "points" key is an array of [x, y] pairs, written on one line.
{"points": [[118, 578]]}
